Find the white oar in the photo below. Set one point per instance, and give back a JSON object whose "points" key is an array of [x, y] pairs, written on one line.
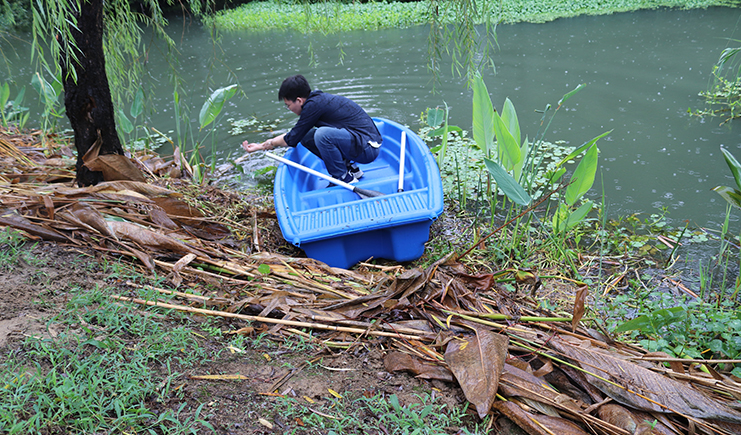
{"points": [[401, 160], [364, 193]]}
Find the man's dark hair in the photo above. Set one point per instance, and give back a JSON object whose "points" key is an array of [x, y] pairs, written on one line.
{"points": [[294, 87]]}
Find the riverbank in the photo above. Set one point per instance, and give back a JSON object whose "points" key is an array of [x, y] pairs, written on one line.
{"points": [[242, 334], [330, 17]]}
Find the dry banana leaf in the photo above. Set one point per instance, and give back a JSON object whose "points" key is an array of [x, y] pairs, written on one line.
{"points": [[477, 362], [632, 385]]}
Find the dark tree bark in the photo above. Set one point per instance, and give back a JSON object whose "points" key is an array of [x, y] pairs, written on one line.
{"points": [[88, 97]]}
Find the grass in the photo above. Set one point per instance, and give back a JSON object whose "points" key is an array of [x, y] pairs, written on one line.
{"points": [[97, 374], [376, 414], [331, 17]]}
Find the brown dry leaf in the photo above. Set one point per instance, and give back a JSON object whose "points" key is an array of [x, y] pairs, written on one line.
{"points": [[399, 361], [11, 218], [91, 216], [637, 387], [149, 238], [619, 416], [477, 363], [113, 166], [535, 424], [579, 303]]}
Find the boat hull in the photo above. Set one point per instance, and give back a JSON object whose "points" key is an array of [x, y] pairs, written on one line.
{"points": [[334, 225]]}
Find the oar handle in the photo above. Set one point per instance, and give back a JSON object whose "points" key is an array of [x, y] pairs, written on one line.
{"points": [[310, 171], [401, 160]]}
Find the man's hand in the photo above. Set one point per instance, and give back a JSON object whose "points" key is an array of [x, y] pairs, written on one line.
{"points": [[252, 147]]}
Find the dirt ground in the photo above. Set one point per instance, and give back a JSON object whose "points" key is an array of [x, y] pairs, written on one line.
{"points": [[33, 293]]}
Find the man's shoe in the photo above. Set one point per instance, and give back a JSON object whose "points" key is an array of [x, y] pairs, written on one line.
{"points": [[349, 178], [353, 169]]}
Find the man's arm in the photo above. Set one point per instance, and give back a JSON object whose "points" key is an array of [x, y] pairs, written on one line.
{"points": [[269, 144]]}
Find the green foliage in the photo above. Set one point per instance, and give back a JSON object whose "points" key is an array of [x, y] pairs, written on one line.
{"points": [[12, 111], [214, 104], [389, 415], [95, 376], [731, 194], [324, 17], [681, 326]]}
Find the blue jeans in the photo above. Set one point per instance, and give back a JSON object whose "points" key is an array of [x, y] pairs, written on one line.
{"points": [[336, 146]]}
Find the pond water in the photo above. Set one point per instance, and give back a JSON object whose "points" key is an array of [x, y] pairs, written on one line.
{"points": [[643, 70]]}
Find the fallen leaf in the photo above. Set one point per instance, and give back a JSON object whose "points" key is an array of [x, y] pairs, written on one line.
{"points": [[400, 361], [637, 387], [579, 303], [477, 363]]}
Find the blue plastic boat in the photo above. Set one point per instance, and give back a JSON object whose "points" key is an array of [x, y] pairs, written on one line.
{"points": [[336, 226]]}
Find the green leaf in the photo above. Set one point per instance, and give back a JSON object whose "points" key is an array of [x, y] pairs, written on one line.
{"points": [[483, 115], [138, 105], [571, 94], [213, 105], [445, 130], [45, 90], [509, 116], [733, 165], [435, 116], [264, 269], [583, 177], [553, 176], [576, 216], [19, 98], [731, 195], [652, 322], [4, 95], [509, 186], [507, 146], [579, 150], [124, 122]]}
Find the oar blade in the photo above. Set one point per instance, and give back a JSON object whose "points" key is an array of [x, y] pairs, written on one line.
{"points": [[367, 193]]}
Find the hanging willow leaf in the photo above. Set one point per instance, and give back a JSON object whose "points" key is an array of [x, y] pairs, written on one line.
{"points": [[477, 363]]}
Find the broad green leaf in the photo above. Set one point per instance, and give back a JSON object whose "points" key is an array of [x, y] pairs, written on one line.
{"points": [[524, 149], [509, 116], [579, 150], [576, 216], [439, 131], [733, 165], [45, 90], [508, 147], [19, 98], [138, 105], [509, 186], [213, 105], [553, 176], [483, 116], [731, 195], [435, 116], [583, 177], [4, 95], [571, 94], [124, 122], [653, 321], [560, 217]]}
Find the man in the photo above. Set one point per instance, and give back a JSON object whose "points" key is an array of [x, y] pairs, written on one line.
{"points": [[332, 127]]}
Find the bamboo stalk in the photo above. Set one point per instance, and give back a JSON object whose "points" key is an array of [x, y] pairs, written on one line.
{"points": [[265, 319]]}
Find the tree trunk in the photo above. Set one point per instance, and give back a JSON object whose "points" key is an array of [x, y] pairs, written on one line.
{"points": [[87, 97]]}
